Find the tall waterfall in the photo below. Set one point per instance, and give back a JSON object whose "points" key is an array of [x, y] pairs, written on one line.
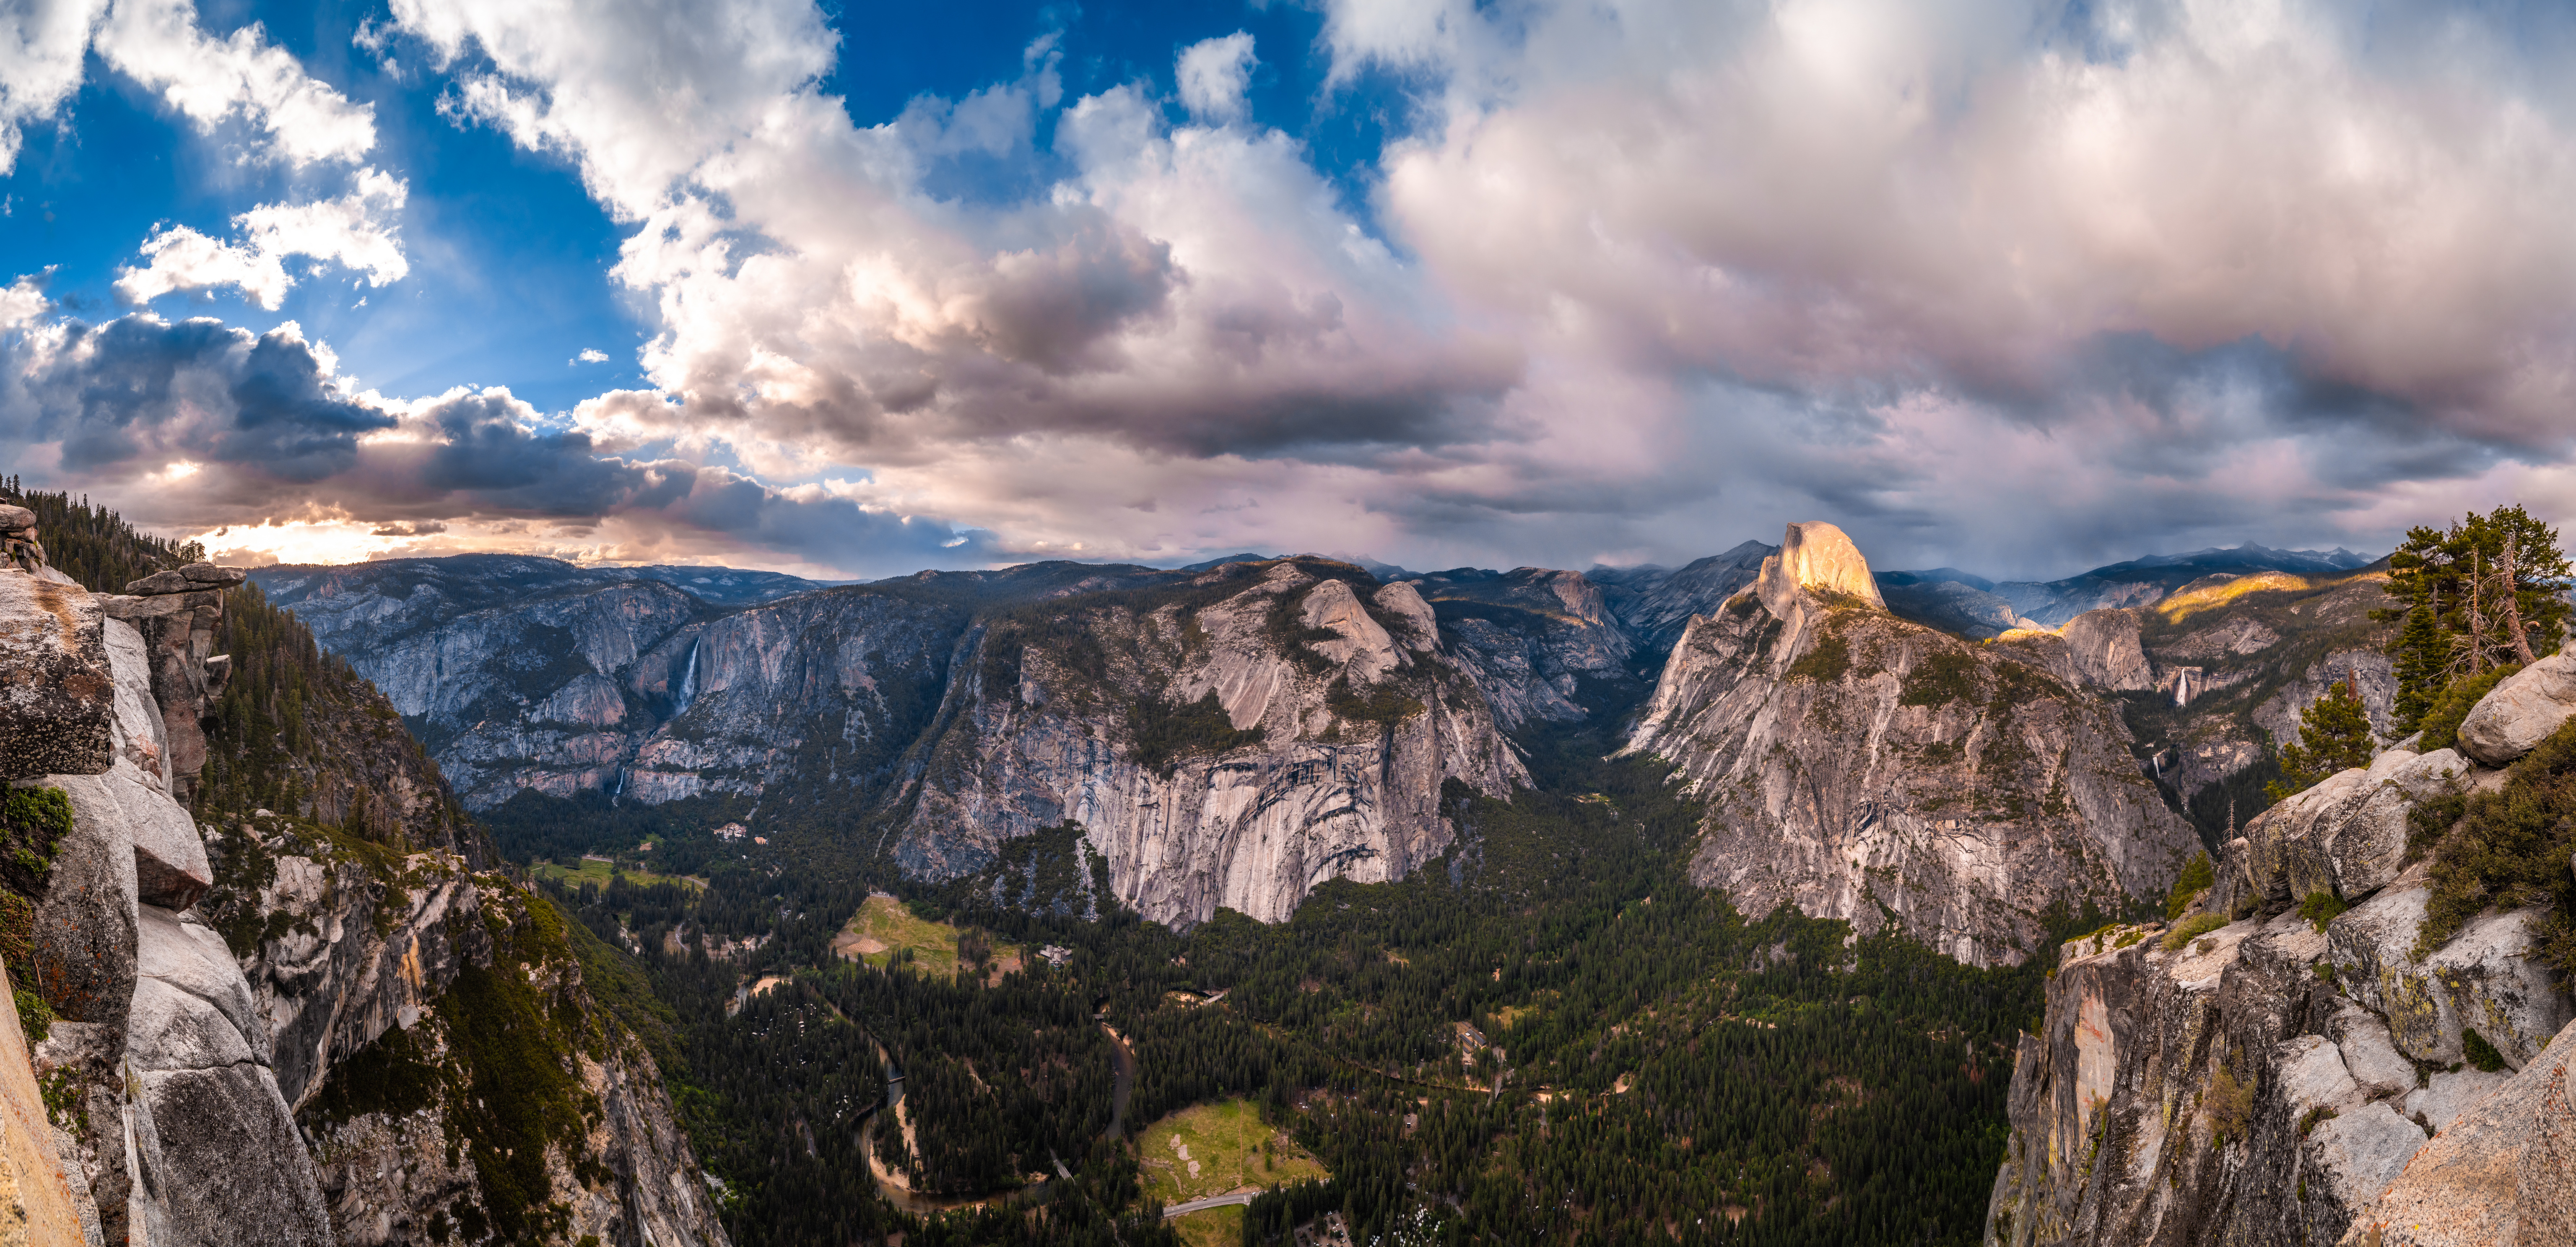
{"points": [[688, 683]]}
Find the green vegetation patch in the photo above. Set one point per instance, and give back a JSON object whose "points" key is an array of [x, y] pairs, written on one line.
{"points": [[1167, 732], [2481, 1054], [1211, 1227], [1384, 703], [2191, 929], [2509, 850], [33, 822], [2321, 907], [1825, 661], [2442, 721], [886, 932], [2196, 877], [397, 1074], [2230, 1105], [599, 873], [1944, 676], [1214, 1149]]}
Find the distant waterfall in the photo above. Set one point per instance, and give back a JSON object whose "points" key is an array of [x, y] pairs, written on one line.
{"points": [[688, 683]]}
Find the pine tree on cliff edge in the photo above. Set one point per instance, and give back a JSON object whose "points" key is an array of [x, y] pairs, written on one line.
{"points": [[2483, 593], [2334, 735]]}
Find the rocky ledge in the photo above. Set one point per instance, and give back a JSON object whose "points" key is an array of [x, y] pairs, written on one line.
{"points": [[2325, 1044]]}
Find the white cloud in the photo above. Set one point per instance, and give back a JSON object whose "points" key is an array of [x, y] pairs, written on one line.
{"points": [[21, 303], [591, 355], [159, 44], [356, 231], [639, 92], [41, 42], [1213, 75], [1662, 275]]}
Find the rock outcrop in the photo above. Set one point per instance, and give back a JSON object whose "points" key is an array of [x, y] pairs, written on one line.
{"points": [[2502, 1171], [2266, 1075], [1230, 742], [56, 696], [2521, 711], [175, 1121], [402, 993], [2097, 649], [177, 614], [209, 1014], [1856, 765]]}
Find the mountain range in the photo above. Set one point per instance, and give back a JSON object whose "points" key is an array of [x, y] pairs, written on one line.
{"points": [[1233, 732]]}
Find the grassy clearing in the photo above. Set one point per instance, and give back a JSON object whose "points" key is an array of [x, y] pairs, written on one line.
{"points": [[1224, 1143], [592, 871], [883, 927], [1215, 1227]]}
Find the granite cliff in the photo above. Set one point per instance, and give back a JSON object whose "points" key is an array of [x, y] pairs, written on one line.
{"points": [[1231, 740], [1861, 766], [257, 1026], [2356, 1033]]}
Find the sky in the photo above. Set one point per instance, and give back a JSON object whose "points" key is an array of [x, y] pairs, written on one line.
{"points": [[851, 289]]}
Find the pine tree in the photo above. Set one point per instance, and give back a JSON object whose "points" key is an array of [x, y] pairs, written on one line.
{"points": [[2422, 654], [2334, 736], [2484, 592]]}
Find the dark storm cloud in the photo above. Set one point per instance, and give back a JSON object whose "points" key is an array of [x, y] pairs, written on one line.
{"points": [[271, 437], [141, 392]]}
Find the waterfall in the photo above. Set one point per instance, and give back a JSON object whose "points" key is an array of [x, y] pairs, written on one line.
{"points": [[688, 683]]}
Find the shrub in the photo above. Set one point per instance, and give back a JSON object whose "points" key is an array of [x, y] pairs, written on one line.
{"points": [[2442, 722], [2320, 908], [2197, 875], [2510, 850], [2316, 1116], [2481, 1054], [2191, 929], [2230, 1106]]}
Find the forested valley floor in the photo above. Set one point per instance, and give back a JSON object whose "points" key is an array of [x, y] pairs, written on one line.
{"points": [[1546, 1036]]}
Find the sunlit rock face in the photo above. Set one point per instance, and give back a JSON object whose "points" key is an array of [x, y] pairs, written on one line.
{"points": [[1856, 764], [1337, 718]]}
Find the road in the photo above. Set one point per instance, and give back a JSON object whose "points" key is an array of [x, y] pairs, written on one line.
{"points": [[1213, 1201]]}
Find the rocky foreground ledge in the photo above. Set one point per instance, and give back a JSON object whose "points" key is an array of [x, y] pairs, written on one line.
{"points": [[172, 1018], [2291, 1060]]}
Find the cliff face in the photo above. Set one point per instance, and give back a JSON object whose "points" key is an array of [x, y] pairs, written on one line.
{"points": [[211, 1012], [521, 673], [1530, 638], [2265, 1077], [1231, 741], [1857, 764], [430, 1027]]}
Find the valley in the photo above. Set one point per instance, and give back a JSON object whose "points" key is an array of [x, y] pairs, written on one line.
{"points": [[1467, 906], [1666, 986]]}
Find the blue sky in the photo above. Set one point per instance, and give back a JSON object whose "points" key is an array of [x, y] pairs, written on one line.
{"points": [[853, 289], [510, 257]]}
